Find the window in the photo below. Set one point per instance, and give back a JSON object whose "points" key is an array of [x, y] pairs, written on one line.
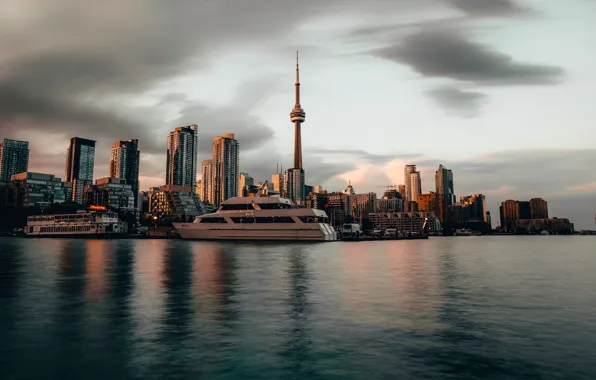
{"points": [[267, 219], [244, 219], [313, 219], [213, 220], [247, 206]]}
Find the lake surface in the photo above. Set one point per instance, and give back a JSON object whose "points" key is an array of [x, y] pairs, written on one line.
{"points": [[443, 308]]}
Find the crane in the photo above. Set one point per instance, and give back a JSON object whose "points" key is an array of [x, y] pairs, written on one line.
{"points": [[264, 187]]}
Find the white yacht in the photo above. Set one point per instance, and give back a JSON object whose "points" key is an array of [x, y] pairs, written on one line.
{"points": [[259, 218]]}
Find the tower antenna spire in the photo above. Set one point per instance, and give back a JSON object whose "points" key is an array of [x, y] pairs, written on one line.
{"points": [[297, 80]]}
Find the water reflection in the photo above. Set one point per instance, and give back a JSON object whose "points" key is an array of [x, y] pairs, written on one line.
{"points": [[11, 271], [298, 348], [210, 278], [175, 335]]}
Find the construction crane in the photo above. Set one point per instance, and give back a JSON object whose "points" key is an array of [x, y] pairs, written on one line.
{"points": [[264, 187]]}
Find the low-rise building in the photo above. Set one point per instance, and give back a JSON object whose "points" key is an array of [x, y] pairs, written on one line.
{"points": [[36, 189], [174, 203], [112, 193], [406, 222]]}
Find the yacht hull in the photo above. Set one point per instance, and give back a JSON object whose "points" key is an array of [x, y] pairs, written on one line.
{"points": [[317, 232]]}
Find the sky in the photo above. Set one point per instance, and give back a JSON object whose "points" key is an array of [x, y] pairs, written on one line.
{"points": [[499, 91]]}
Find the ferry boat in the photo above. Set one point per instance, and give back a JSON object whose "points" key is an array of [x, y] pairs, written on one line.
{"points": [[82, 224], [259, 218]]}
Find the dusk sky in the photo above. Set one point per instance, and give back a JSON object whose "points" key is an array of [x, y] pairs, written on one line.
{"points": [[499, 91]]}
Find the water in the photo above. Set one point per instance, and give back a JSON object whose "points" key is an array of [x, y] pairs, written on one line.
{"points": [[444, 308]]}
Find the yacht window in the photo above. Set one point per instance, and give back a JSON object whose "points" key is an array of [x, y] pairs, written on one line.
{"points": [[269, 206], [247, 206], [244, 219], [213, 220], [313, 219]]}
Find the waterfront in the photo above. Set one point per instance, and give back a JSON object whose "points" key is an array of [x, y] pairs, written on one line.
{"points": [[449, 308]]}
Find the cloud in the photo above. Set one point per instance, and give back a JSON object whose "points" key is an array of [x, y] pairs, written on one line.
{"points": [[448, 54], [458, 102], [489, 7], [357, 154]]}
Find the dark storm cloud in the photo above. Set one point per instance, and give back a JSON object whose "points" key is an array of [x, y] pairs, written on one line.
{"points": [[458, 102], [447, 54], [62, 61]]}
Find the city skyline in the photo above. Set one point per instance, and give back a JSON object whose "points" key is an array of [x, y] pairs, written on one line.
{"points": [[374, 102]]}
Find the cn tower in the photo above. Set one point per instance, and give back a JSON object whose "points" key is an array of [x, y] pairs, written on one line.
{"points": [[297, 116], [295, 176]]}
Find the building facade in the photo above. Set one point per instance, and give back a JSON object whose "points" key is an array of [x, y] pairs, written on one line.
{"points": [[181, 167], [208, 181], [406, 222], [174, 203], [125, 159], [509, 211], [295, 185], [279, 183], [112, 193], [36, 189], [523, 210], [245, 185], [538, 208], [225, 163], [432, 202], [476, 207], [14, 158], [80, 162], [413, 183]]}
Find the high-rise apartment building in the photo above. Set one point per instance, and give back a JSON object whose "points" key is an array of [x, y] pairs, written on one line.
{"points": [[407, 170], [414, 186], [509, 211], [523, 210], [225, 163], [80, 162], [475, 205], [402, 191], [208, 181], [199, 189], [295, 177], [14, 158], [538, 208], [444, 185], [125, 159], [431, 202], [181, 168], [245, 183], [279, 183]]}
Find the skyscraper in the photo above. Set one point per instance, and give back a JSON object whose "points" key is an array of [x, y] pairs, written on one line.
{"points": [[245, 184], [414, 186], [295, 176], [279, 185], [80, 162], [444, 186], [181, 169], [538, 208], [14, 158], [407, 181], [476, 207], [225, 163], [208, 181], [125, 159], [509, 211]]}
